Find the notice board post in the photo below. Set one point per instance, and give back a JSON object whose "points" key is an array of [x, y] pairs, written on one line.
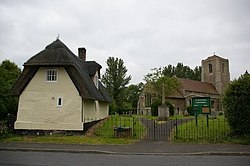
{"points": [[201, 105]]}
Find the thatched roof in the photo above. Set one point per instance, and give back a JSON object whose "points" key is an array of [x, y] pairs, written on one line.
{"points": [[80, 72]]}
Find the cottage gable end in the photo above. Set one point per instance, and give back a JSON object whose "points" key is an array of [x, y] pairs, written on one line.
{"points": [[57, 54]]}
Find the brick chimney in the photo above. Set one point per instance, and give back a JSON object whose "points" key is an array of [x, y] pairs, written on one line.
{"points": [[82, 53]]}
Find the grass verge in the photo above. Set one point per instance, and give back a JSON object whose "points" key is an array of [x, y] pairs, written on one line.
{"points": [[236, 139], [59, 139]]}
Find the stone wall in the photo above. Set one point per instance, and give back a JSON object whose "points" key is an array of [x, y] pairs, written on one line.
{"points": [[219, 76]]}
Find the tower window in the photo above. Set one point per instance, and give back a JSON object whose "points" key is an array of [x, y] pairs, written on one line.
{"points": [[210, 68], [223, 67]]}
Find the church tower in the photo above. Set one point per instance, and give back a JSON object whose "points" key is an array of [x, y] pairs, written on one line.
{"points": [[215, 70]]}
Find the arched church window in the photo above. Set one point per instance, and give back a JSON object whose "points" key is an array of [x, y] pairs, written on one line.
{"points": [[210, 68], [212, 104]]}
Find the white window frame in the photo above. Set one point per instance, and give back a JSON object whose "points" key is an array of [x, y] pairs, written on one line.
{"points": [[52, 77], [59, 104]]}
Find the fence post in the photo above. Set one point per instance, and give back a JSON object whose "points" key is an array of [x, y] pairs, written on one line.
{"points": [[154, 129], [133, 129], [196, 120], [176, 128], [11, 121], [207, 121]]}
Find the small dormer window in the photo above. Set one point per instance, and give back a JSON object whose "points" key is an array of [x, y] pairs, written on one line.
{"points": [[51, 75], [96, 81]]}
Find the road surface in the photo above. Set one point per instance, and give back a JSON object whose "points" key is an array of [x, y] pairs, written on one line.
{"points": [[13, 158]]}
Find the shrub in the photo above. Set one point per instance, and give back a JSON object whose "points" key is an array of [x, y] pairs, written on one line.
{"points": [[220, 113], [189, 110], [237, 105], [154, 107], [112, 109], [171, 108], [4, 132]]}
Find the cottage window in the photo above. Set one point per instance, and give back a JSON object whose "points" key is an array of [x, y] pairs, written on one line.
{"points": [[51, 75], [59, 101]]}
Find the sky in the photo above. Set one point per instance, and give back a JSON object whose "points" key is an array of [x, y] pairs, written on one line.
{"points": [[145, 34]]}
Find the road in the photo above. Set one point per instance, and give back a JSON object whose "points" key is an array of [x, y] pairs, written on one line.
{"points": [[13, 158]]}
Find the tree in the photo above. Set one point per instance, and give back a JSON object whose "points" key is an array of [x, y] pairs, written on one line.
{"points": [[179, 71], [9, 72], [197, 73], [237, 105], [155, 75], [161, 88], [154, 106], [132, 94], [168, 71], [115, 80], [165, 86]]}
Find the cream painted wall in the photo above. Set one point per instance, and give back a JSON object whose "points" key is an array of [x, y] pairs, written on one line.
{"points": [[38, 104], [95, 110]]}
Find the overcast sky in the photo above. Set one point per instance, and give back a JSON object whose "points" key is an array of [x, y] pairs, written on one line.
{"points": [[144, 33]]}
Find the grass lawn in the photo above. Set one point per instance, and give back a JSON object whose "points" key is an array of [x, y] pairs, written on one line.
{"points": [[217, 130], [179, 117], [106, 130], [170, 118]]}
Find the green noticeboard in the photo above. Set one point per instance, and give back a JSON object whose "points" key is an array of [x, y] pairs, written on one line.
{"points": [[201, 105]]}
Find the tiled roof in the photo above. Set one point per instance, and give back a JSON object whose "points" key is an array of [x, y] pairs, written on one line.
{"points": [[176, 94], [193, 86], [197, 86]]}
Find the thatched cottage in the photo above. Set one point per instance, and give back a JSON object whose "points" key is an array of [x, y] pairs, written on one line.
{"points": [[60, 91]]}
